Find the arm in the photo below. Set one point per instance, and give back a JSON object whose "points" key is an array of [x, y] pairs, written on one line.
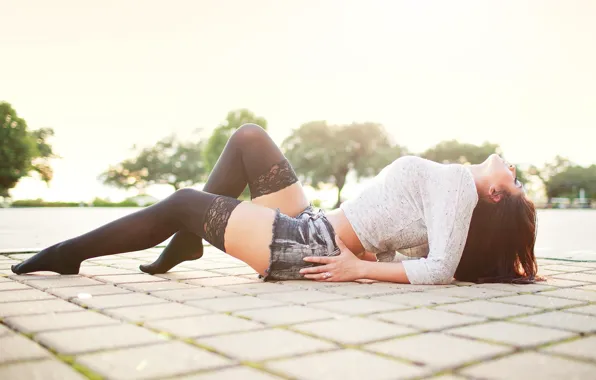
{"points": [[367, 256], [347, 267], [388, 272], [447, 216]]}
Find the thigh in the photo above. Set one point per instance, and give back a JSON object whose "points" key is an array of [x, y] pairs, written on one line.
{"points": [[290, 200], [249, 234]]}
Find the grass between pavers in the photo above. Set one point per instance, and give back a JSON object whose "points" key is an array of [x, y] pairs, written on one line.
{"points": [[83, 370], [255, 365], [66, 359], [260, 365], [433, 373]]}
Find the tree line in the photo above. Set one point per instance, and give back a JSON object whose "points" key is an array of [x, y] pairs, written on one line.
{"points": [[321, 153]]}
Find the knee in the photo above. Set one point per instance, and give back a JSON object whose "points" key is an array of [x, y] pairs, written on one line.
{"points": [[184, 195], [249, 132]]}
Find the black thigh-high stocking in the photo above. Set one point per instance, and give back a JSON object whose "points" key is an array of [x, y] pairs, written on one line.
{"points": [[198, 212], [249, 157]]}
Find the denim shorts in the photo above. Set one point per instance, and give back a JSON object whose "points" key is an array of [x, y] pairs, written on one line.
{"points": [[308, 234]]}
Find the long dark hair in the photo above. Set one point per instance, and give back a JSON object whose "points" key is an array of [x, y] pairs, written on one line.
{"points": [[500, 243]]}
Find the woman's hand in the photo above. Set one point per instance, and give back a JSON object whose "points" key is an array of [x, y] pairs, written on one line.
{"points": [[344, 267]]}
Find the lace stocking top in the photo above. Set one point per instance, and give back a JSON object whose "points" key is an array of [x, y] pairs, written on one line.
{"points": [[421, 209]]}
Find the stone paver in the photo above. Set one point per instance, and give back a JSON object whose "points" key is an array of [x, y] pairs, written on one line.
{"points": [[265, 344], [84, 292], [76, 341], [9, 309], [562, 320], [39, 370], [438, 350], [544, 367], [510, 333], [347, 365], [12, 285], [182, 295], [203, 325], [100, 270], [353, 330], [229, 304], [562, 283], [566, 268], [145, 287], [118, 300], [152, 362], [590, 310], [540, 301], [4, 330], [17, 348], [303, 297], [418, 299], [155, 311], [59, 282], [488, 309], [469, 292], [24, 295], [258, 288], [287, 315], [572, 293], [187, 275], [586, 277], [241, 269], [213, 319], [582, 348], [362, 290], [516, 288], [244, 373], [357, 306], [129, 278], [425, 319], [30, 324]]}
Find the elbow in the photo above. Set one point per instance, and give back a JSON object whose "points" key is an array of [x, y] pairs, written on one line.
{"points": [[443, 279]]}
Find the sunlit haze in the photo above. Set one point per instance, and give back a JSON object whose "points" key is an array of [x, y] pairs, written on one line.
{"points": [[107, 75]]}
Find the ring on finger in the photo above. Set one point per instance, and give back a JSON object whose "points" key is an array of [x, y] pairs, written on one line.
{"points": [[326, 275]]}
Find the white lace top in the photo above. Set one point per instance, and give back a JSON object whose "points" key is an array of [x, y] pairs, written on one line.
{"points": [[421, 209]]}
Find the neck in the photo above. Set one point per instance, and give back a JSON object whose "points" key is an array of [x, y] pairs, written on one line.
{"points": [[478, 175]]}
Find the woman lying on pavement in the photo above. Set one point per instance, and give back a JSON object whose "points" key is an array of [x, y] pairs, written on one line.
{"points": [[473, 223]]}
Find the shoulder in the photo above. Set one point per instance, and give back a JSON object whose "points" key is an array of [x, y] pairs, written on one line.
{"points": [[413, 165]]}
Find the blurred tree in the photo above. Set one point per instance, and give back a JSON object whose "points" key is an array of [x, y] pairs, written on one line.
{"points": [[452, 151], [221, 134], [170, 162], [548, 172], [217, 142], [322, 153], [568, 182], [22, 151]]}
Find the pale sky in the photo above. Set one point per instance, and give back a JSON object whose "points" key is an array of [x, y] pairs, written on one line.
{"points": [[110, 74]]}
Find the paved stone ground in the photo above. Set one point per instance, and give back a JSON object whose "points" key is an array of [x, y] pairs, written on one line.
{"points": [[213, 319]]}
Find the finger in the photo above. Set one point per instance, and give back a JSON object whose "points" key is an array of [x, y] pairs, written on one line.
{"points": [[319, 259], [318, 277], [317, 269]]}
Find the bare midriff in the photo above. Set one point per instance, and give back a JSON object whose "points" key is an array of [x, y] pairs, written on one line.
{"points": [[344, 230]]}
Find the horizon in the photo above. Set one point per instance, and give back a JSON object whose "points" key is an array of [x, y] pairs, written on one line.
{"points": [[107, 77]]}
